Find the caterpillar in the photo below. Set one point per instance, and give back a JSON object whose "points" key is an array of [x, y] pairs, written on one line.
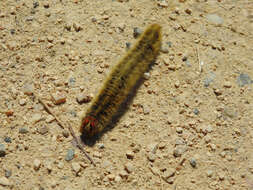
{"points": [[122, 79]]}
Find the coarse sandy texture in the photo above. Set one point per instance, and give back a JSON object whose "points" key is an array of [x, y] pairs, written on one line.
{"points": [[189, 126]]}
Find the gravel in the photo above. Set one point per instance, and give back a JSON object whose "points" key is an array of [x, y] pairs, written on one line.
{"points": [[23, 130], [151, 156], [130, 154], [76, 167], [36, 164], [129, 167], [7, 139], [179, 150], [70, 155], [4, 181], [137, 32], [2, 150], [244, 79], [193, 162], [215, 19]]}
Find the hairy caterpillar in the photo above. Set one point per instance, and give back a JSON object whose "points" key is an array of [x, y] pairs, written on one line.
{"points": [[121, 81]]}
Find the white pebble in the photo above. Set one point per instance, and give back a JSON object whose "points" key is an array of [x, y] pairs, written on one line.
{"points": [[151, 157], [129, 167], [146, 76], [76, 167], [209, 173], [130, 154], [117, 178], [4, 181], [22, 102], [36, 164], [169, 173]]}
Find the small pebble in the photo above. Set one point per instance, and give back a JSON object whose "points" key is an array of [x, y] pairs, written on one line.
{"points": [[111, 177], [123, 174], [50, 119], [23, 130], [36, 164], [77, 27], [97, 154], [137, 32], [164, 49], [70, 155], [101, 146], [215, 19], [217, 92], [68, 26], [65, 133], [196, 111], [35, 4], [212, 146], [129, 167], [43, 130], [4, 181], [22, 102], [146, 110], [207, 139], [179, 150], [58, 98], [227, 84], [152, 147], [76, 167], [7, 139], [130, 154], [188, 11], [179, 130], [209, 79], [46, 5], [128, 45], [229, 158], [169, 44], [121, 26], [82, 98], [169, 173], [117, 178], [28, 89], [146, 76], [193, 162], [185, 57], [223, 154], [36, 117], [49, 166], [179, 141], [230, 112], [9, 113], [244, 79], [209, 173], [221, 176], [50, 39], [162, 145], [2, 150], [151, 157], [106, 164], [60, 165], [8, 173], [163, 4]]}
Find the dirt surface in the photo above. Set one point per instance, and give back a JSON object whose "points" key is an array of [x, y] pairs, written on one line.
{"points": [[189, 126]]}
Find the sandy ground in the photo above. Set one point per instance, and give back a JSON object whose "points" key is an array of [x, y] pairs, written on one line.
{"points": [[189, 126]]}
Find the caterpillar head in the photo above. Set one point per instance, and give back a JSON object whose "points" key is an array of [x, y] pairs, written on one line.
{"points": [[89, 126]]}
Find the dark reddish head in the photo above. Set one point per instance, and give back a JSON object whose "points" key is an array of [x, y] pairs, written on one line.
{"points": [[89, 126]]}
